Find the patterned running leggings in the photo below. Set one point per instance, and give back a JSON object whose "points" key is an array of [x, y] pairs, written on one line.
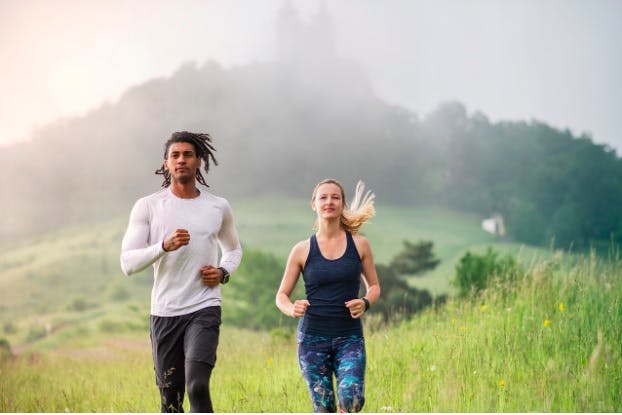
{"points": [[322, 357]]}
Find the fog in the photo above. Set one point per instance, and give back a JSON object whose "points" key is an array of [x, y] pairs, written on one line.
{"points": [[557, 61], [404, 95]]}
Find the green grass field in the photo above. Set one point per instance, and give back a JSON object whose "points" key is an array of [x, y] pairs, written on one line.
{"points": [[551, 343]]}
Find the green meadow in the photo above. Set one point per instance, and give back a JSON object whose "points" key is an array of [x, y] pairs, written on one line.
{"points": [[546, 342]]}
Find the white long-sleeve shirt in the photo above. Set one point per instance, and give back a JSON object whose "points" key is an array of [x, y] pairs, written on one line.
{"points": [[177, 287]]}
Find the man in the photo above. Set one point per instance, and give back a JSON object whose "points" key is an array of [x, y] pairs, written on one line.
{"points": [[178, 230]]}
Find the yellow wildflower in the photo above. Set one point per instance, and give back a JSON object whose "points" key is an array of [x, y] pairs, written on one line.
{"points": [[501, 383], [483, 307], [561, 307], [546, 323]]}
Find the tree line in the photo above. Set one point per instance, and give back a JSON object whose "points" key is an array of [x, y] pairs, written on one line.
{"points": [[552, 188], [277, 132]]}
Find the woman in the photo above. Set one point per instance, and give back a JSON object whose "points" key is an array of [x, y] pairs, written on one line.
{"points": [[330, 333]]}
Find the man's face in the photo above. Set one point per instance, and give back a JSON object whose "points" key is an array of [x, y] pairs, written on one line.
{"points": [[182, 162]]}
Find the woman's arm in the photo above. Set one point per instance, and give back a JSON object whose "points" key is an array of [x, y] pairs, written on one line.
{"points": [[369, 275], [295, 263]]}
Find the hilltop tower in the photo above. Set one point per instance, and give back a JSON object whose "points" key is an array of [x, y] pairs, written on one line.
{"points": [[299, 41]]}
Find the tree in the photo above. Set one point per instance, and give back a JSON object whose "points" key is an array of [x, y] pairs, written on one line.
{"points": [[398, 298], [415, 258]]}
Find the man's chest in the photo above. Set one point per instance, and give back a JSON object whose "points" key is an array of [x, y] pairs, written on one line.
{"points": [[200, 220]]}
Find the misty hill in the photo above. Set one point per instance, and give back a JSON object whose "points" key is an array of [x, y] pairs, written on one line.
{"points": [[275, 129], [281, 126]]}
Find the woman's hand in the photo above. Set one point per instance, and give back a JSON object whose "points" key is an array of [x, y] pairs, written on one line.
{"points": [[356, 307], [299, 307]]}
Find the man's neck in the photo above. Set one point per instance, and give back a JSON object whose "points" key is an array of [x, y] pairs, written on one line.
{"points": [[185, 190]]}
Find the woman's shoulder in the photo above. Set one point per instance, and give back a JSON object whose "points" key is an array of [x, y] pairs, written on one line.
{"points": [[361, 242], [302, 246], [358, 238], [300, 251]]}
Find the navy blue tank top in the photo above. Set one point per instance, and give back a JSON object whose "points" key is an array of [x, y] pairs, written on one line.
{"points": [[328, 285]]}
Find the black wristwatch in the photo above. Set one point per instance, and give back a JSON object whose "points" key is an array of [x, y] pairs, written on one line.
{"points": [[225, 275]]}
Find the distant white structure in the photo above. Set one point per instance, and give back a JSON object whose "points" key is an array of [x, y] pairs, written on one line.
{"points": [[494, 225]]}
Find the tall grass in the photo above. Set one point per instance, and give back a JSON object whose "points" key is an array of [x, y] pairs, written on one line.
{"points": [[547, 342]]}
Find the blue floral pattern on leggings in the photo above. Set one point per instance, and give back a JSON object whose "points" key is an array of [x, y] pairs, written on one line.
{"points": [[323, 357]]}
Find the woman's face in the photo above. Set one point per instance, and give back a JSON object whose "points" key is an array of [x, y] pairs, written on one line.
{"points": [[328, 201]]}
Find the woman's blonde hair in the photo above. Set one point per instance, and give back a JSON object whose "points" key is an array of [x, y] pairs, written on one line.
{"points": [[360, 210]]}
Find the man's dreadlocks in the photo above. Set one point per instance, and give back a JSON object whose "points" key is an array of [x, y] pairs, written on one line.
{"points": [[202, 146]]}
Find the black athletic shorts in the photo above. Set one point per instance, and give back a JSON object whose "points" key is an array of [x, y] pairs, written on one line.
{"points": [[176, 340]]}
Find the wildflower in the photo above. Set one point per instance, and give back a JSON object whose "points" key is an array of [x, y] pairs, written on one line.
{"points": [[546, 323], [454, 321], [463, 328], [483, 307], [432, 368], [270, 361], [387, 409], [501, 383], [561, 307]]}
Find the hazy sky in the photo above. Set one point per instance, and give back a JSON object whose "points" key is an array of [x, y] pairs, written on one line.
{"points": [[558, 61]]}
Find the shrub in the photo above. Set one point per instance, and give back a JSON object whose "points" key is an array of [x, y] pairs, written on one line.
{"points": [[35, 333], [474, 272], [4, 344], [118, 293], [5, 349], [9, 327], [80, 304]]}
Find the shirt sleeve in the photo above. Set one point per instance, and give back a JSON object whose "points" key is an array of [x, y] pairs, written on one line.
{"points": [[229, 242], [136, 255]]}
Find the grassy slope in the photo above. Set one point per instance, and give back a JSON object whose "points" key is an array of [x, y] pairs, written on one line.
{"points": [[551, 343], [56, 278]]}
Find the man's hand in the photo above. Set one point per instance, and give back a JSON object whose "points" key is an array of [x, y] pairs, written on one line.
{"points": [[176, 240], [211, 276]]}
